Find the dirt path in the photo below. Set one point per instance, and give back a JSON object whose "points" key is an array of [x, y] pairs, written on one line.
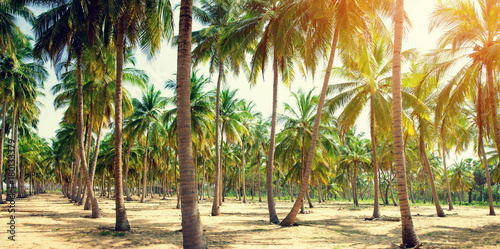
{"points": [[50, 221]]}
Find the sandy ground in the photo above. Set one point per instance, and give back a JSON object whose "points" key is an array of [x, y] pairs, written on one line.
{"points": [[50, 221]]}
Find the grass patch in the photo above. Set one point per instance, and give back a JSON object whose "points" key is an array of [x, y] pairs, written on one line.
{"points": [[104, 233], [120, 234]]}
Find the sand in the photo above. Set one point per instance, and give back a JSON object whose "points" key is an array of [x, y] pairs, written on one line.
{"points": [[51, 221]]}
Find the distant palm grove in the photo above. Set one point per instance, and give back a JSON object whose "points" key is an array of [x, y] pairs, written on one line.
{"points": [[206, 143]]}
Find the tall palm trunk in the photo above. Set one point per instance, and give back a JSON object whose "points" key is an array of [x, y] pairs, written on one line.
{"points": [[376, 208], [76, 165], [96, 213], [191, 223], [121, 214], [290, 218], [125, 174], [450, 202], [492, 99], [258, 172], [409, 237], [243, 171], [145, 168], [273, 217], [203, 180], [425, 163], [480, 143], [2, 136], [217, 189]]}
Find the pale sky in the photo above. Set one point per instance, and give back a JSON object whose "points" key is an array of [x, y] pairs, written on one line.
{"points": [[163, 67]]}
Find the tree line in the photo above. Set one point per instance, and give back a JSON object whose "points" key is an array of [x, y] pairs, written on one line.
{"points": [[207, 140]]}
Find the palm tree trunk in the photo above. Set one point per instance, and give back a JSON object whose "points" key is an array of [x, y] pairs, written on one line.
{"points": [[487, 172], [425, 163], [96, 213], [273, 217], [243, 171], [191, 224], [376, 208], [178, 193], [259, 177], [203, 180], [76, 164], [493, 102], [493, 98], [450, 202], [304, 184], [2, 137], [94, 159], [355, 185], [319, 191], [409, 237], [217, 190], [11, 175], [125, 174], [145, 168]]}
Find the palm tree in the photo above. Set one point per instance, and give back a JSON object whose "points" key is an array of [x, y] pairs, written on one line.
{"points": [[217, 16], [9, 31], [276, 42], [346, 16], [192, 232], [409, 237], [295, 138], [472, 35], [461, 178], [56, 32], [202, 112], [154, 19], [423, 89], [147, 112], [368, 72], [20, 79]]}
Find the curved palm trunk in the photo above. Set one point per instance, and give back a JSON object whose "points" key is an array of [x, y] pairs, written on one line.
{"points": [[480, 143], [145, 169], [290, 218], [191, 223], [425, 163], [2, 136], [96, 212], [273, 217], [121, 223], [94, 162], [376, 208], [409, 237], [217, 189]]}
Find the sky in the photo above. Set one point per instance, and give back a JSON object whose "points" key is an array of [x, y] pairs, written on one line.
{"points": [[163, 67]]}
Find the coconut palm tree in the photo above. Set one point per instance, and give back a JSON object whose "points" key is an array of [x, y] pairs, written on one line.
{"points": [[217, 16], [346, 16], [154, 19], [9, 31], [473, 36], [192, 232], [21, 78], [409, 237], [56, 32], [369, 75], [423, 89], [147, 112], [461, 178]]}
